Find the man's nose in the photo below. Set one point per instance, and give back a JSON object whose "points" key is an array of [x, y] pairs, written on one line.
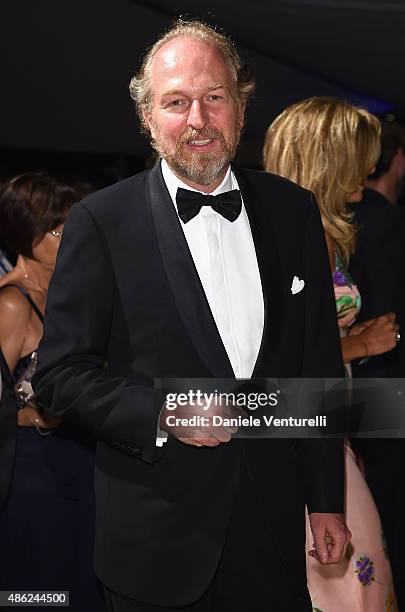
{"points": [[197, 116]]}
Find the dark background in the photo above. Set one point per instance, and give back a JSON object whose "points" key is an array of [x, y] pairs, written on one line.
{"points": [[65, 67]]}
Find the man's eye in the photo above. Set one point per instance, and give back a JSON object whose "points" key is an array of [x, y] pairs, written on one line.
{"points": [[176, 103], [214, 98]]}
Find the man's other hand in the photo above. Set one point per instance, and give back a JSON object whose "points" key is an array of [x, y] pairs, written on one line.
{"points": [[331, 537]]}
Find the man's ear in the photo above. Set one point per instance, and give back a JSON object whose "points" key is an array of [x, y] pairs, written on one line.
{"points": [[242, 116]]}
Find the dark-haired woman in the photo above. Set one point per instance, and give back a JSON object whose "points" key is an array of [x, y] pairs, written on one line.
{"points": [[47, 522]]}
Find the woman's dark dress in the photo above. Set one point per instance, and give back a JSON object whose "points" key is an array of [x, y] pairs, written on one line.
{"points": [[47, 521]]}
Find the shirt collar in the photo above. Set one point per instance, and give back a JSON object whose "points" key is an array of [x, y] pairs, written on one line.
{"points": [[173, 182]]}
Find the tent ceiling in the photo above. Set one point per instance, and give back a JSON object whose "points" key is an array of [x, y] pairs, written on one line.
{"points": [[66, 65], [357, 44]]}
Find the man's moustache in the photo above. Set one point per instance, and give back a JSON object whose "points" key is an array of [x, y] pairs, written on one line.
{"points": [[205, 133]]}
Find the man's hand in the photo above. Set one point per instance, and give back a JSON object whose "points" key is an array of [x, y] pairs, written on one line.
{"points": [[205, 433], [331, 537]]}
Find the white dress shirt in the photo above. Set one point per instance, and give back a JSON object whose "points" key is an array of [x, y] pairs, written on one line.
{"points": [[225, 259]]}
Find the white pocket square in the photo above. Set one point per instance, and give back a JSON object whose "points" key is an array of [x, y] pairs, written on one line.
{"points": [[297, 285]]}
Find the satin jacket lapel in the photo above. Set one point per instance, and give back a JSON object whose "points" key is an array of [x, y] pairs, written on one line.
{"points": [[185, 284], [269, 267]]}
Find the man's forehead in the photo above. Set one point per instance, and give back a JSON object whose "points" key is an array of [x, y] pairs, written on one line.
{"points": [[188, 55]]}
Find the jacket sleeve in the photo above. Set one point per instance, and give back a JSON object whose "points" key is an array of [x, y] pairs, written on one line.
{"points": [[324, 459], [72, 380], [375, 265]]}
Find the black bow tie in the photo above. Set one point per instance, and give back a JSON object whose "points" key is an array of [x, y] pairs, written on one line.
{"points": [[189, 203]]}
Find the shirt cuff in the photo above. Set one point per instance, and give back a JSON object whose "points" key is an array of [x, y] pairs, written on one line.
{"points": [[161, 436]]}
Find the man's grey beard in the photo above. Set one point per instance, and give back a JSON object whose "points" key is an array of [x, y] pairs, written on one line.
{"points": [[200, 168]]}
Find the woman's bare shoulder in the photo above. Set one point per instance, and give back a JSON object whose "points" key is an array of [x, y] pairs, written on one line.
{"points": [[15, 313], [14, 307]]}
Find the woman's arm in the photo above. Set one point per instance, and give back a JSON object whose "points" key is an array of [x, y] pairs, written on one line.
{"points": [[353, 347], [372, 337], [15, 316]]}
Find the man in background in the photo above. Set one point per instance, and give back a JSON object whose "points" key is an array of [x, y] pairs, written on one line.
{"points": [[378, 269], [376, 263]]}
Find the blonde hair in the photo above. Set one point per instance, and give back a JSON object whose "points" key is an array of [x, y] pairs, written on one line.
{"points": [[140, 86], [330, 147]]}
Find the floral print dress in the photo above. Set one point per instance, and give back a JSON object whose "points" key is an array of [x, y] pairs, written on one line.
{"points": [[362, 582]]}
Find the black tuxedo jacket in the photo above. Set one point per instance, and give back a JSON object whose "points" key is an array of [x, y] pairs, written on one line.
{"points": [[375, 268], [126, 305], [375, 263]]}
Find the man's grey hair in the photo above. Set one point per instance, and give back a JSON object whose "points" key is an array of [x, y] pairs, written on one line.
{"points": [[140, 85]]}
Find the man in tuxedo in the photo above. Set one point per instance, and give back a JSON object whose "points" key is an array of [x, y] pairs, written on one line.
{"points": [[186, 271], [378, 268]]}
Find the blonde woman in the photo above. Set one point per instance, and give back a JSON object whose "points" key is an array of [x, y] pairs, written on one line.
{"points": [[330, 147]]}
